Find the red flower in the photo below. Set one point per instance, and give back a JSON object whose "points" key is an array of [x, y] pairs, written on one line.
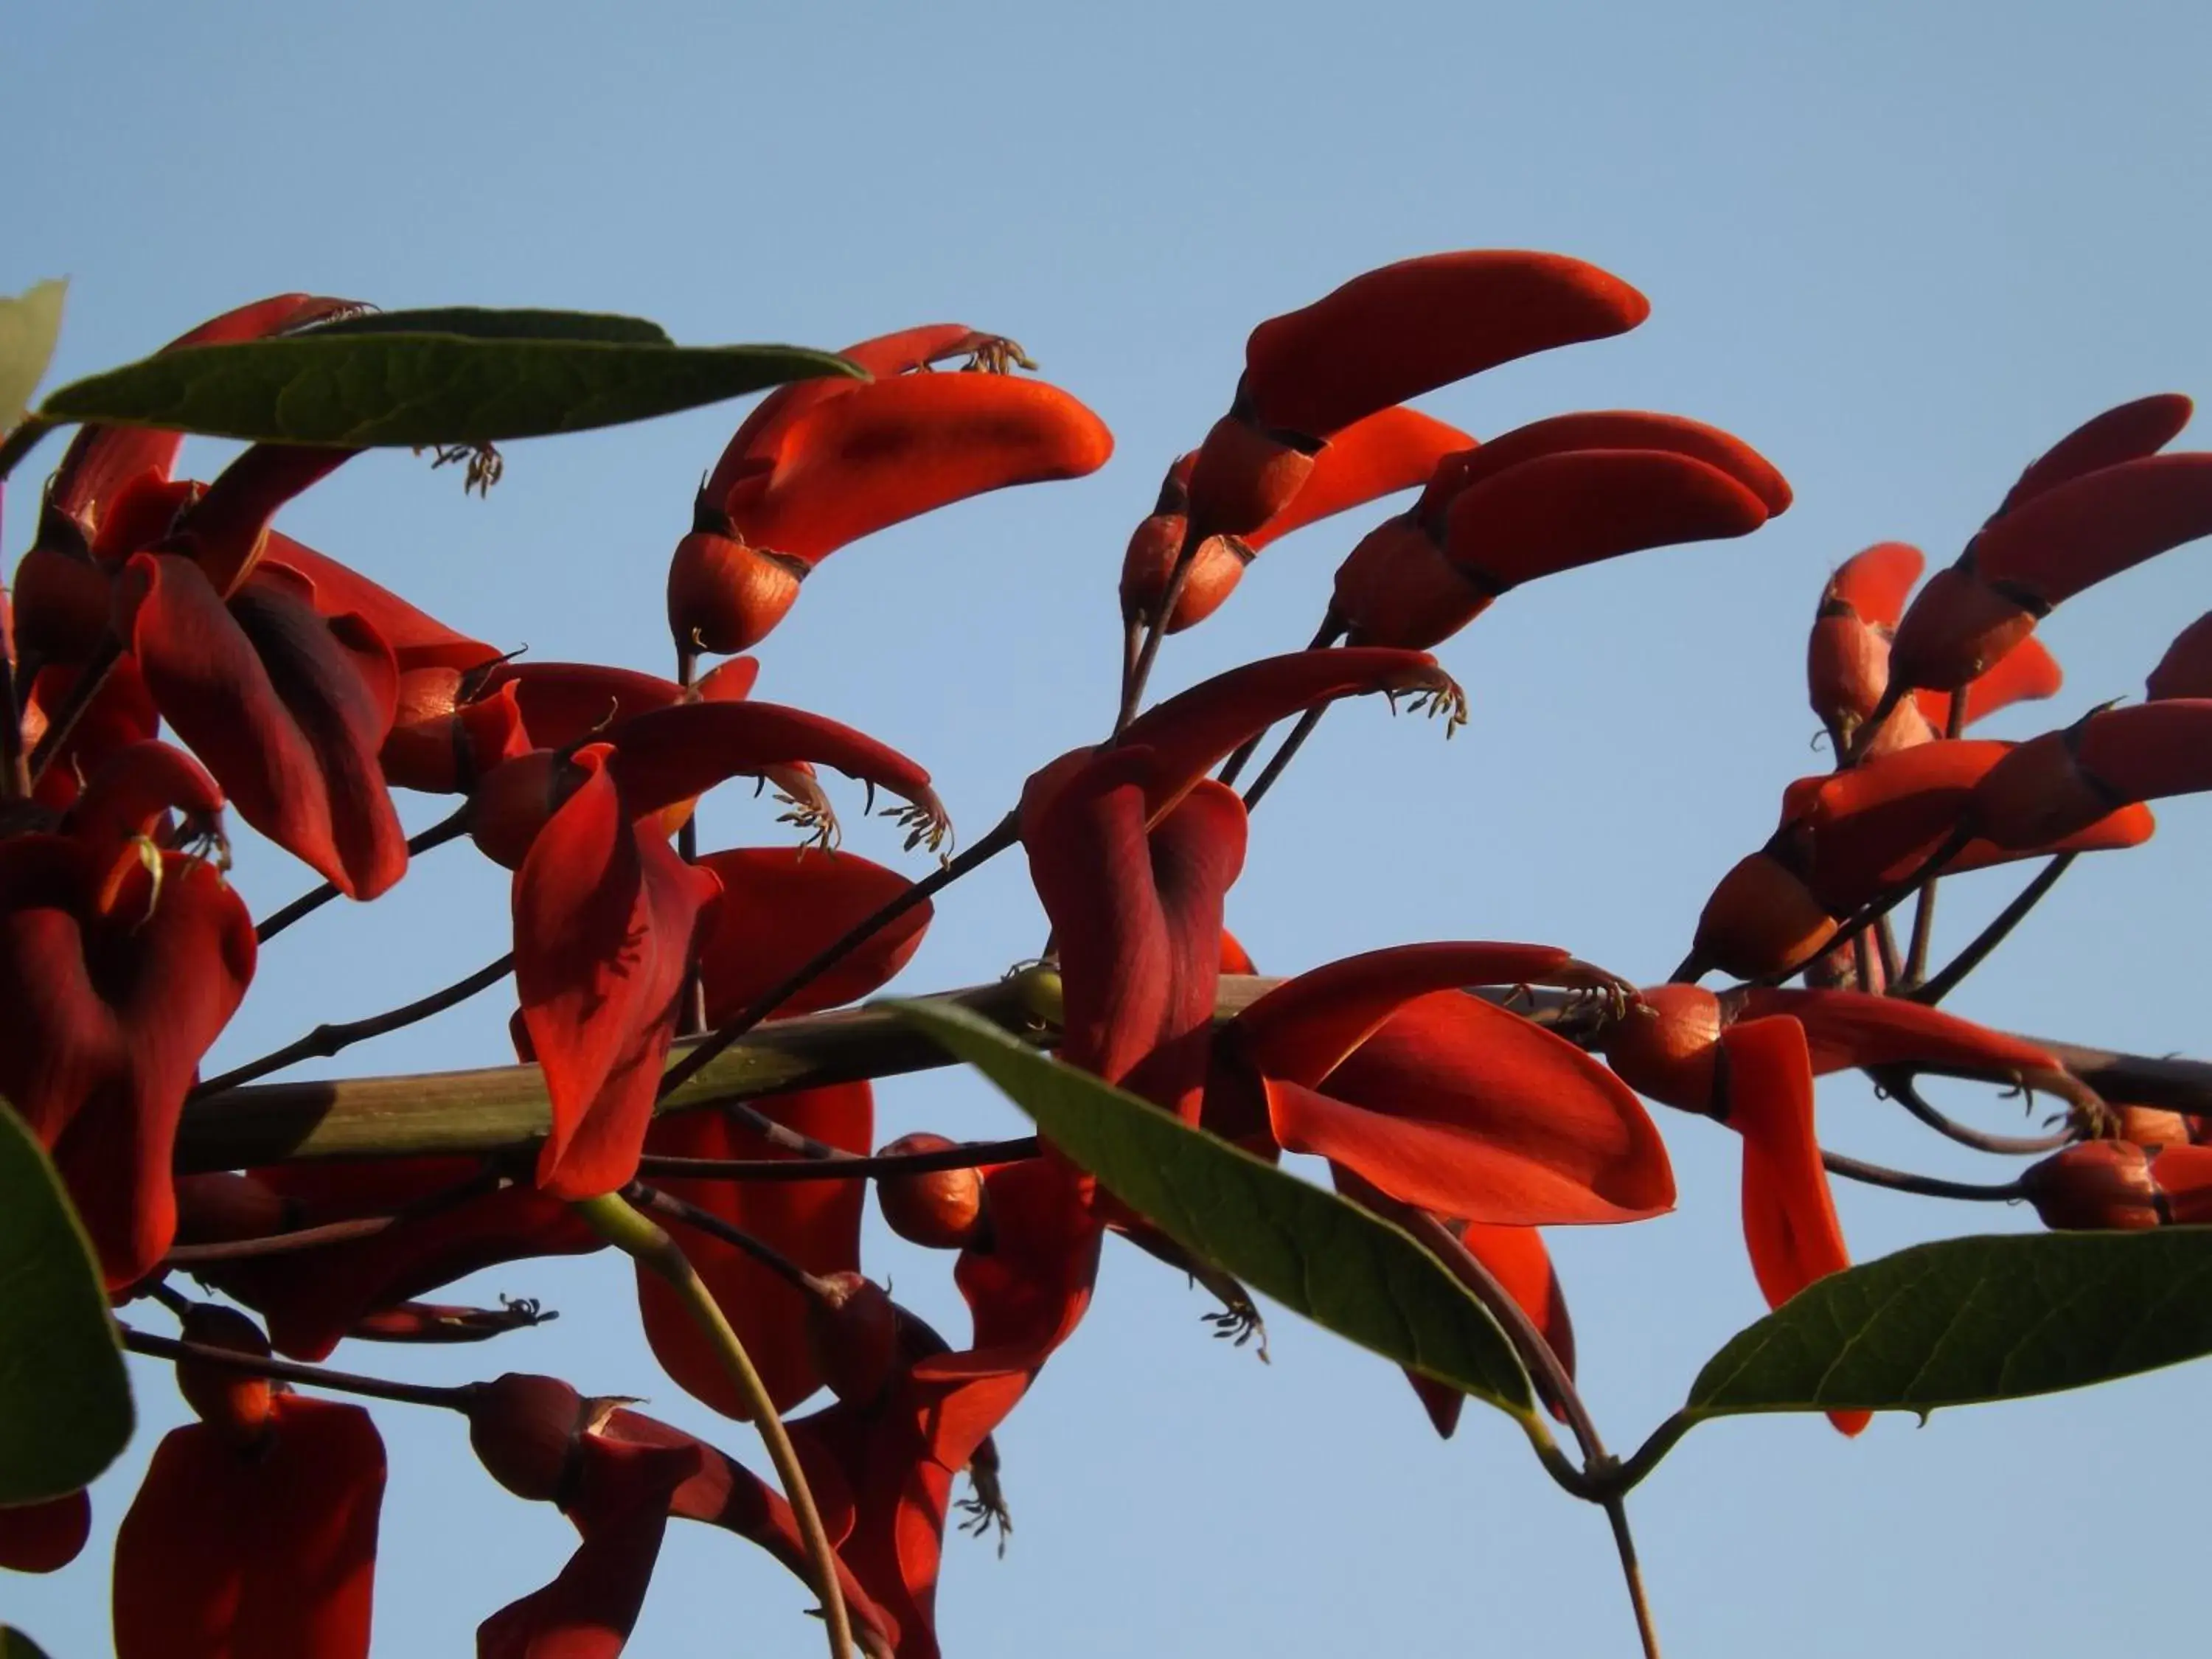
{"points": [[44, 1537], [821, 466], [2101, 500], [1383, 338], [234, 1550], [1439, 1099], [1391, 450]]}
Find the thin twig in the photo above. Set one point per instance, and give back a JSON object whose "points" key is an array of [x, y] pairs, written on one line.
{"points": [[1900, 1083], [1283, 756], [1628, 1473], [1140, 668], [1923, 909], [1874, 1174], [326, 1040], [1616, 1511], [1003, 836], [1330, 631], [333, 1232], [1995, 933], [654, 1201], [450, 828], [841, 1165], [313, 1376], [644, 1242]]}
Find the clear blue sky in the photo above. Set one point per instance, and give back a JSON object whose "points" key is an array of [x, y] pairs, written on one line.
{"points": [[1899, 247]]}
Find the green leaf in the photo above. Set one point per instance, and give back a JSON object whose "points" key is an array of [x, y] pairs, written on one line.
{"points": [[362, 390], [483, 323], [1969, 1320], [29, 324], [1314, 1253], [65, 1400], [14, 1644]]}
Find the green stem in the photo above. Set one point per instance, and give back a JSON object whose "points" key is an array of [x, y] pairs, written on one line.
{"points": [[644, 1242]]}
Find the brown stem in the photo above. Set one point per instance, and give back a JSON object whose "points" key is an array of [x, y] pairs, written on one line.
{"points": [[1616, 1511], [1330, 631], [840, 1165], [326, 1040], [332, 1232], [1003, 836], [1140, 668], [1924, 909], [1281, 761], [1898, 1082], [1874, 1174], [653, 1201], [313, 1376], [691, 1019], [1995, 933], [451, 828]]}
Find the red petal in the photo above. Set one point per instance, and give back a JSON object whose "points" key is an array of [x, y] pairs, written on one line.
{"points": [[1389, 451], [780, 905], [418, 640], [761, 438], [1478, 1114], [1623, 429], [604, 921], [121, 713], [1788, 1217], [1559, 511], [815, 1223], [668, 754], [226, 529], [1197, 853], [1306, 1027], [1873, 584], [2082, 531], [588, 1610], [288, 710], [2027, 673], [2185, 669], [1191, 732], [225, 1555], [889, 451], [1392, 334], [1847, 1029], [44, 1537], [2127, 433], [133, 787]]}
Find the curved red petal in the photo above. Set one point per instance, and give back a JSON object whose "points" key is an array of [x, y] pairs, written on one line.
{"points": [[2091, 527], [1560, 512], [1377, 455], [1529, 1129], [2027, 673], [2185, 669], [225, 1555], [1844, 1029], [2127, 433], [891, 450], [1306, 1027], [1392, 334], [44, 1537], [1618, 429], [815, 1224], [782, 905], [417, 639]]}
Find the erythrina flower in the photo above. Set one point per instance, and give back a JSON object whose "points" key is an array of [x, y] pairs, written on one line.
{"points": [[2103, 1186], [1438, 1098], [1847, 658], [2057, 785], [1381, 339], [822, 466], [1391, 450], [1749, 1059], [1851, 837], [452, 1223], [234, 1551], [2101, 500], [1132, 853], [120, 962], [1572, 490]]}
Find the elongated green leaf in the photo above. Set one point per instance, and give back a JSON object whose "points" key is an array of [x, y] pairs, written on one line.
{"points": [[14, 1644], [65, 1400], [1310, 1250], [1969, 1320], [362, 390], [484, 323], [29, 324]]}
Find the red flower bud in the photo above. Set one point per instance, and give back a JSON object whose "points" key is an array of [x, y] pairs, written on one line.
{"points": [[725, 596], [942, 1209], [524, 1431], [44, 1537], [852, 1330], [2099, 1186], [233, 1402]]}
